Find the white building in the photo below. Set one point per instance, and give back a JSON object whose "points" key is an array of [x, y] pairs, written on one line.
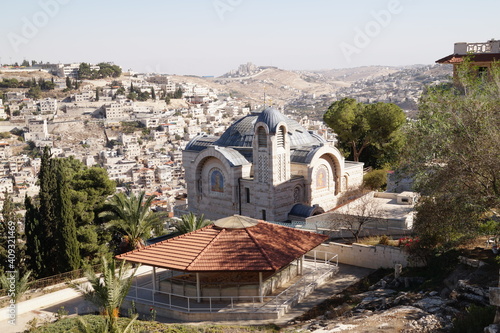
{"points": [[48, 106], [114, 111]]}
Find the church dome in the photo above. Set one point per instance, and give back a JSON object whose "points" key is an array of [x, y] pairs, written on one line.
{"points": [[240, 134], [271, 117]]}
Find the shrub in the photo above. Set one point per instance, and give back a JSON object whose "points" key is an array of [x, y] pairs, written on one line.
{"points": [[384, 240], [375, 180], [474, 320]]}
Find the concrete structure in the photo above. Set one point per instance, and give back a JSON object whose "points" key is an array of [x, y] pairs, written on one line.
{"points": [[263, 166], [381, 213], [37, 130], [368, 256]]}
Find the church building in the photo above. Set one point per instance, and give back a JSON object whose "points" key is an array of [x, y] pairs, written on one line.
{"points": [[266, 166]]}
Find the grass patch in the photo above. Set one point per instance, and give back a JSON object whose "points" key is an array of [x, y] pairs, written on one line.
{"points": [[70, 325], [376, 240]]}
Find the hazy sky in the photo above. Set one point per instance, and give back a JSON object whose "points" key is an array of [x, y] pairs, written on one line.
{"points": [[211, 37]]}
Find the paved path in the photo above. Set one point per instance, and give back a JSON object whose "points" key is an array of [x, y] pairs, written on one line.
{"points": [[45, 307]]}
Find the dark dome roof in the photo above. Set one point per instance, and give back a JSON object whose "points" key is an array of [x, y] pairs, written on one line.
{"points": [[271, 117], [240, 134]]}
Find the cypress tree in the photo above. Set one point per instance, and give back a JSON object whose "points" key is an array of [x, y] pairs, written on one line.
{"points": [[33, 245], [69, 252], [47, 212], [69, 85], [11, 218], [153, 95]]}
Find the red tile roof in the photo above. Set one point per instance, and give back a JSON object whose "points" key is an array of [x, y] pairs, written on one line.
{"points": [[480, 57], [262, 247]]}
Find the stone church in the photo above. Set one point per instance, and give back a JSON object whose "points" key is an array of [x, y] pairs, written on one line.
{"points": [[266, 166]]}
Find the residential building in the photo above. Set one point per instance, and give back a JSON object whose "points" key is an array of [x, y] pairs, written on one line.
{"points": [[481, 55], [114, 111], [48, 106]]}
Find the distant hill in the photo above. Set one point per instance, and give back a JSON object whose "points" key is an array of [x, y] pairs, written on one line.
{"points": [[311, 92]]}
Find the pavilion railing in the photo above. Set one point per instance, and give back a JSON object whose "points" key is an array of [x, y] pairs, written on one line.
{"points": [[325, 264]]}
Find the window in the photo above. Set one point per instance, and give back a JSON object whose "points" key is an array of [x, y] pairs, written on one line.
{"points": [[264, 214], [281, 137], [247, 194], [262, 137]]}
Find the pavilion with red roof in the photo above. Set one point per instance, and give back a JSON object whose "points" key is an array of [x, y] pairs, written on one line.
{"points": [[237, 256]]}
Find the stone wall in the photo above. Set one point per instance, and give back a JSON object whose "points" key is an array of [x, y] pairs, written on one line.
{"points": [[378, 256]]}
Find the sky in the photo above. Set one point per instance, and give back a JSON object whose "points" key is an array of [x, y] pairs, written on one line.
{"points": [[211, 37]]}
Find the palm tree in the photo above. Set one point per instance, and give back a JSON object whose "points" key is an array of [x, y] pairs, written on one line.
{"points": [[20, 284], [132, 216], [191, 222], [108, 289]]}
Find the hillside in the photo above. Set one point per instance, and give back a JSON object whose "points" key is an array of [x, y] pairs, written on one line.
{"points": [[311, 92]]}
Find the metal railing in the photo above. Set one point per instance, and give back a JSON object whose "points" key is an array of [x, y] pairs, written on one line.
{"points": [[242, 304], [56, 279]]}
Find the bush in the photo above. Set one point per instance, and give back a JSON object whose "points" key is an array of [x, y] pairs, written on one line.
{"points": [[375, 180], [475, 319], [384, 240]]}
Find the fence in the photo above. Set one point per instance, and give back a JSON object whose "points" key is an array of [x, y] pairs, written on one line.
{"points": [[291, 295], [55, 279]]}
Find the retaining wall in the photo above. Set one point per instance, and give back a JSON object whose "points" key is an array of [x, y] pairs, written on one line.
{"points": [[377, 256]]}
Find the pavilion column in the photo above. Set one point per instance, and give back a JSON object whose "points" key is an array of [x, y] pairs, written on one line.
{"points": [[198, 289], [261, 289], [154, 279], [302, 265]]}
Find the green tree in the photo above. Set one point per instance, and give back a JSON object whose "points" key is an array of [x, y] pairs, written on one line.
{"points": [[62, 228], [9, 230], [131, 216], [191, 222], [69, 254], [34, 92], [25, 63], [84, 71], [69, 85], [47, 213], [153, 94], [34, 237], [453, 155], [89, 189], [178, 93], [108, 289], [359, 126], [132, 95]]}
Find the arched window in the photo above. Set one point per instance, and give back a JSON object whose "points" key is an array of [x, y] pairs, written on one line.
{"points": [[297, 194], [281, 137], [262, 137]]}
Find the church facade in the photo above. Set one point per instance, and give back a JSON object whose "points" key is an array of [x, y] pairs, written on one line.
{"points": [[266, 166]]}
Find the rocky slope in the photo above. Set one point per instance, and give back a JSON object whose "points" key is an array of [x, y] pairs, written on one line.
{"points": [[409, 303]]}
